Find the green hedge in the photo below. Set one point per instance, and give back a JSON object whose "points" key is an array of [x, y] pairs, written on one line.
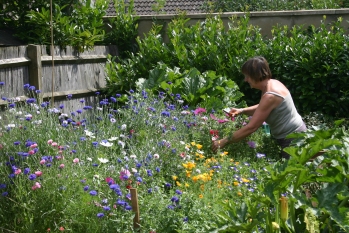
{"points": [[312, 62]]}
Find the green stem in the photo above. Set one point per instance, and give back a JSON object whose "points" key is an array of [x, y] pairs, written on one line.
{"points": [[286, 227]]}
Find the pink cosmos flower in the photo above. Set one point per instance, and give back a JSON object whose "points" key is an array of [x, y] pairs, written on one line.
{"points": [[38, 173], [76, 160], [60, 152], [36, 186], [124, 174], [54, 144], [109, 179], [199, 111], [49, 141], [31, 152], [61, 166], [33, 145], [182, 155], [18, 171], [43, 161]]}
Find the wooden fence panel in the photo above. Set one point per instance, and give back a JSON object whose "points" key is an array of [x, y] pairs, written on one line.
{"points": [[79, 74]]}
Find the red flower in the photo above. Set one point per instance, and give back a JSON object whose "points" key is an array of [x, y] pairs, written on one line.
{"points": [[214, 132], [128, 186]]}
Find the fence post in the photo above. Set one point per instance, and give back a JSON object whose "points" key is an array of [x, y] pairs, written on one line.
{"points": [[35, 67], [135, 208]]}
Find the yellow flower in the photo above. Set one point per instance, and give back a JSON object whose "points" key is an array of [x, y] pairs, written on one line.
{"points": [[202, 187], [178, 184], [237, 163], [174, 177], [193, 143], [198, 146], [188, 173], [219, 182], [236, 183], [186, 185], [245, 180], [275, 226], [231, 160], [195, 178], [201, 196], [189, 165], [239, 194]]}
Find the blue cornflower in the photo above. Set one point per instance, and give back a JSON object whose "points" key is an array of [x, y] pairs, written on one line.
{"points": [[87, 107], [179, 192], [82, 101], [120, 202], [16, 143], [97, 93], [61, 106], [4, 194], [26, 171], [100, 215], [95, 164], [157, 169], [2, 186], [31, 100], [149, 172], [12, 105], [259, 155], [139, 179], [2, 83], [93, 193], [79, 111], [69, 96], [132, 91], [86, 188], [31, 88], [150, 190], [175, 199], [82, 139], [26, 86], [168, 185], [4, 98], [95, 144], [113, 99], [118, 95], [128, 207], [165, 113], [114, 186], [171, 207], [37, 91], [106, 208], [32, 177]]}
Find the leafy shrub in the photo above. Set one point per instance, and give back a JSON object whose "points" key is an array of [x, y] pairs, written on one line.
{"points": [[313, 63], [123, 28], [265, 5]]}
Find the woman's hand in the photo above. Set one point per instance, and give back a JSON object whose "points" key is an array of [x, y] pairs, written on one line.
{"points": [[236, 111], [218, 144]]}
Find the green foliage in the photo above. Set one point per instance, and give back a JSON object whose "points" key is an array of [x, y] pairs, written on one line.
{"points": [[265, 5], [197, 89], [314, 65], [123, 28]]}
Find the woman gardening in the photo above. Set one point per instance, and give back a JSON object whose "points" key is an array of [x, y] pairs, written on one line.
{"points": [[275, 107]]}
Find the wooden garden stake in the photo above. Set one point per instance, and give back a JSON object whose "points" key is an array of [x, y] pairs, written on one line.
{"points": [[135, 208]]}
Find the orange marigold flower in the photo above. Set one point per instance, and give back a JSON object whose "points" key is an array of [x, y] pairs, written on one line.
{"points": [[201, 196], [174, 177], [236, 183]]}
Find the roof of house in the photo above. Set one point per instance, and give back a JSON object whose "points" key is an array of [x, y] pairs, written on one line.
{"points": [[144, 7]]}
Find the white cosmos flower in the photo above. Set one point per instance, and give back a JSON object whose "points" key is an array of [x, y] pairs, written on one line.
{"points": [[156, 156], [89, 133], [123, 127], [112, 120], [134, 170], [113, 138], [11, 125], [89, 159], [181, 142], [121, 143], [99, 108], [123, 153], [106, 143], [133, 156], [103, 160]]}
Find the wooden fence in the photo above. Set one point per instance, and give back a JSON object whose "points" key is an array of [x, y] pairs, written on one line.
{"points": [[68, 72]]}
